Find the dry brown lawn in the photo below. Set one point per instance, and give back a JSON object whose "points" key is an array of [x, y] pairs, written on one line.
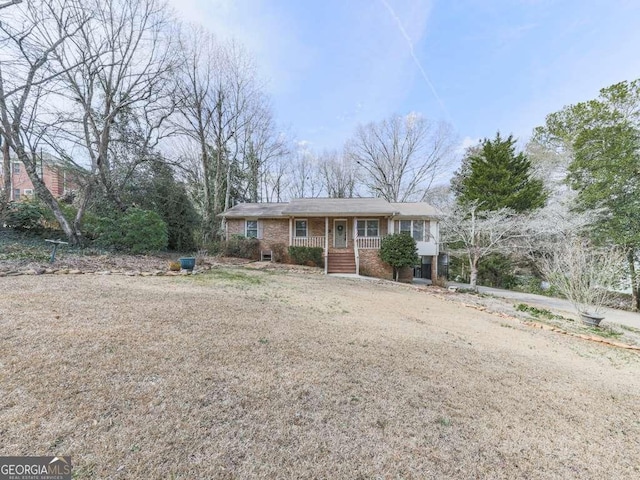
{"points": [[255, 374]]}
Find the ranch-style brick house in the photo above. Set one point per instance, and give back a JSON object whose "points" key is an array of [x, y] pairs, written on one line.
{"points": [[349, 230]]}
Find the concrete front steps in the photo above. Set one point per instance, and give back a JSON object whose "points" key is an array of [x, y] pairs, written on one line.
{"points": [[343, 261]]}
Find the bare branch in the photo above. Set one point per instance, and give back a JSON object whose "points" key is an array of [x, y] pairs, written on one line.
{"points": [[401, 156]]}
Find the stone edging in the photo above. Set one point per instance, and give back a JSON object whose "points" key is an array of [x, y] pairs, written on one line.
{"points": [[128, 273]]}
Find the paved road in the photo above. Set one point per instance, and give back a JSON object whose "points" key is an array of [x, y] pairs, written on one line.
{"points": [[560, 306]]}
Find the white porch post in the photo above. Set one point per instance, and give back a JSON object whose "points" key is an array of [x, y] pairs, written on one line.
{"points": [[355, 245], [390, 226], [290, 231], [326, 245]]}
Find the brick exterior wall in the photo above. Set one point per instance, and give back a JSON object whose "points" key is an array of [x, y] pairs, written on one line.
{"points": [[276, 231], [372, 266], [53, 177]]}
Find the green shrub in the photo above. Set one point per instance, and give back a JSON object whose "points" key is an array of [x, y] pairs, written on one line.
{"points": [[496, 270], [242, 247], [137, 231], [307, 256], [399, 250], [27, 216], [145, 231]]}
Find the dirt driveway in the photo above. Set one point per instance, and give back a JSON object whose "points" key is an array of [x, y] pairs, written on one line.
{"points": [[254, 374]]}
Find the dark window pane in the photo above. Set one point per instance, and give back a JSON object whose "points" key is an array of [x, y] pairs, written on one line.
{"points": [[252, 228], [301, 228], [418, 230]]}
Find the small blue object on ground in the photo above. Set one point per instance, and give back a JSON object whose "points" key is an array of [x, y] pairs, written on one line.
{"points": [[188, 263]]}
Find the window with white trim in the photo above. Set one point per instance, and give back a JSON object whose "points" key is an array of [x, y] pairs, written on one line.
{"points": [[28, 192], [415, 228], [418, 230], [368, 228], [16, 168], [251, 229], [301, 228]]}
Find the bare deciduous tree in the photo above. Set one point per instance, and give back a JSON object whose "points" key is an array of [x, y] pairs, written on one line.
{"points": [[262, 148], [276, 180], [305, 175], [475, 234], [225, 112], [37, 32], [339, 175], [584, 274], [117, 69], [9, 3], [401, 156]]}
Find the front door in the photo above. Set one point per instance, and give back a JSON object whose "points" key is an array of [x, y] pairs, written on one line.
{"points": [[340, 234]]}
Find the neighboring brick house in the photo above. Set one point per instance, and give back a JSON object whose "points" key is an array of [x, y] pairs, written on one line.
{"points": [[349, 230], [56, 178]]}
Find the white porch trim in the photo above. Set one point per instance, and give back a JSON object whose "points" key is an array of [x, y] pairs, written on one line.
{"points": [[326, 245], [290, 231]]}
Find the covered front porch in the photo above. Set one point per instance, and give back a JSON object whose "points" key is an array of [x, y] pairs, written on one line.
{"points": [[341, 238], [338, 232]]}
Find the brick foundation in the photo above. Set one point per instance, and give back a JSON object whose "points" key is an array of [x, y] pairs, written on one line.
{"points": [[372, 266]]}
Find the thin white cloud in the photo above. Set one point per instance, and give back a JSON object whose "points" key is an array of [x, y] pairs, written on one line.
{"points": [[324, 81], [416, 60]]}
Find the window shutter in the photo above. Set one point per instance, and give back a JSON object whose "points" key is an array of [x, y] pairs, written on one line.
{"points": [[260, 229]]}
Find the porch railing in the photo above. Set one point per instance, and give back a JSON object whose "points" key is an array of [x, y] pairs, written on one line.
{"points": [[369, 243], [308, 241]]}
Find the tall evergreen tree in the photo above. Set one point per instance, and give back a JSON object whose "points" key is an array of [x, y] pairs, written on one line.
{"points": [[603, 136], [496, 177]]}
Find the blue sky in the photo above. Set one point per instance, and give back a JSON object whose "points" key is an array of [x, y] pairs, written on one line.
{"points": [[488, 64]]}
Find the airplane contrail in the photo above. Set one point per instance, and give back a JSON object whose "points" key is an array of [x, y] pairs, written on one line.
{"points": [[415, 58]]}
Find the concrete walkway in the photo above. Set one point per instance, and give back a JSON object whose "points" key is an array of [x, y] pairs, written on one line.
{"points": [[558, 305]]}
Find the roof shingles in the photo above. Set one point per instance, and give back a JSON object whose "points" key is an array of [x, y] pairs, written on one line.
{"points": [[330, 207]]}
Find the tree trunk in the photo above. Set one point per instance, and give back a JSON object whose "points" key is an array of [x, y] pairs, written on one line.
{"points": [[206, 191], [473, 278], [46, 196], [82, 206], [6, 162], [635, 299], [396, 273]]}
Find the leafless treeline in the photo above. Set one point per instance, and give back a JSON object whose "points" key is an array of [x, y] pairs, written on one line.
{"points": [[111, 84]]}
